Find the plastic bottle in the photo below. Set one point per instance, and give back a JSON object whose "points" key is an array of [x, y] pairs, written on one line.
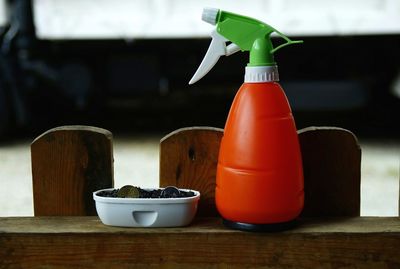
{"points": [[259, 185]]}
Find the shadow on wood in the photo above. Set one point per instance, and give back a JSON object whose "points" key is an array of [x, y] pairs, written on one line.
{"points": [[332, 167], [68, 164]]}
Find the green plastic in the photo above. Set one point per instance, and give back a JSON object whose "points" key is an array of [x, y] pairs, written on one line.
{"points": [[251, 35]]}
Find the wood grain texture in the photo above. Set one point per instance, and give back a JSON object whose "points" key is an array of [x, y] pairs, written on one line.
{"points": [[188, 159], [83, 242], [68, 164], [332, 166]]}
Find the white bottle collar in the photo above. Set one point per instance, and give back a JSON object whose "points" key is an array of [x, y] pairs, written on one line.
{"points": [[259, 74]]}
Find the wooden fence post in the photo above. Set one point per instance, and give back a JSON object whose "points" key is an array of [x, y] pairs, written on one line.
{"points": [[332, 167], [68, 164], [188, 159]]}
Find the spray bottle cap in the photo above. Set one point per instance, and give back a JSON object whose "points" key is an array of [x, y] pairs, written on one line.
{"points": [[246, 34]]}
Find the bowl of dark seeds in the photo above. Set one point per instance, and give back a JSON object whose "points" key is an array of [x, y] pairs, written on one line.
{"points": [[131, 206]]}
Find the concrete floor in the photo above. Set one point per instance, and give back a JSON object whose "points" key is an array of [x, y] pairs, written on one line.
{"points": [[136, 163]]}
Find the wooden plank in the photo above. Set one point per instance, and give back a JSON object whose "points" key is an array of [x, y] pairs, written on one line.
{"points": [[64, 242], [188, 159], [68, 164], [332, 167]]}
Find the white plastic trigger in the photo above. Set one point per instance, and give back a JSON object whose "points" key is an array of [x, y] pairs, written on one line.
{"points": [[231, 49], [216, 49]]}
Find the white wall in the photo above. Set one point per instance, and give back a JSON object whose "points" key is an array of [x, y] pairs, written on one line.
{"points": [[126, 19], [3, 13]]}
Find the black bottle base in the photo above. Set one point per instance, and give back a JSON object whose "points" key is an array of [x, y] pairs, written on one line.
{"points": [[273, 227]]}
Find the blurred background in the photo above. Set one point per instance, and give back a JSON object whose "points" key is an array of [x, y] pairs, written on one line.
{"points": [[124, 65]]}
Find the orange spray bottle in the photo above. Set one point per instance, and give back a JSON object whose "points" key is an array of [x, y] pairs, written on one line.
{"points": [[259, 175]]}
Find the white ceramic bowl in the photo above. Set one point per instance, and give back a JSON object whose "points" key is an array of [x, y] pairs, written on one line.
{"points": [[146, 212]]}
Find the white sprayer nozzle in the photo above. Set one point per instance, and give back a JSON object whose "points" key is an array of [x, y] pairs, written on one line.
{"points": [[210, 15], [216, 49]]}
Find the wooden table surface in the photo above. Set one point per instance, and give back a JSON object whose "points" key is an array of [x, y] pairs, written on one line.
{"points": [[62, 242]]}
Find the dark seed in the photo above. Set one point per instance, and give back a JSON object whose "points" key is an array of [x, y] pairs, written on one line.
{"points": [[170, 192], [128, 191]]}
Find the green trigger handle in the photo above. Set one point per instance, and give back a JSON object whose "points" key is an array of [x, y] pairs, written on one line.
{"points": [[245, 34], [287, 43]]}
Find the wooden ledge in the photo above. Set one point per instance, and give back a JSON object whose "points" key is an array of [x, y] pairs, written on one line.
{"points": [[93, 225], [62, 242]]}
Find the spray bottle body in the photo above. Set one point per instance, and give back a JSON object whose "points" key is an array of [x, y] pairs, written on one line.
{"points": [[259, 173]]}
